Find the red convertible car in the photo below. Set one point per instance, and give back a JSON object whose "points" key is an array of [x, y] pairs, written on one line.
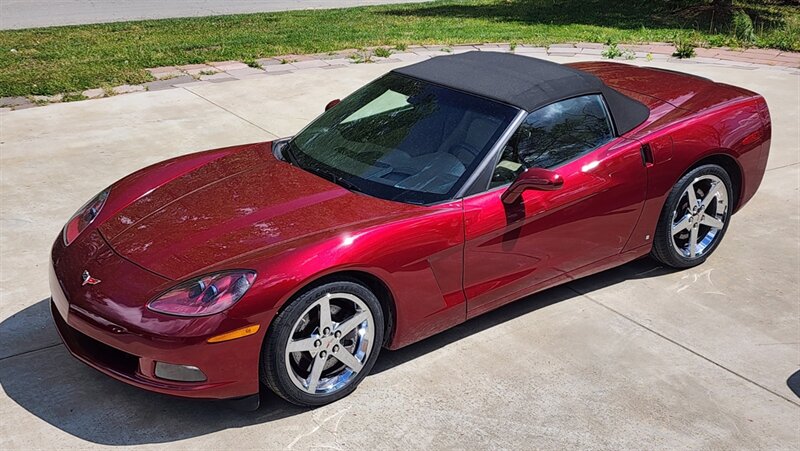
{"points": [[438, 192]]}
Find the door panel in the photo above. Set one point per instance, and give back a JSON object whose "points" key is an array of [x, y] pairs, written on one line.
{"points": [[511, 250]]}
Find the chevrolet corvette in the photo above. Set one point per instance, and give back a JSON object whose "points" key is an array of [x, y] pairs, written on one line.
{"points": [[439, 191]]}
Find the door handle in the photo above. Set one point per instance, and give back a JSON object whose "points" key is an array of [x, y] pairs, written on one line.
{"points": [[647, 155]]}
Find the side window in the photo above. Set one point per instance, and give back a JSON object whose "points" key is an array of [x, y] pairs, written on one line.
{"points": [[554, 135]]}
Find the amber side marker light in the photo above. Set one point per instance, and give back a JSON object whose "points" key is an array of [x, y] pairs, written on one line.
{"points": [[234, 334]]}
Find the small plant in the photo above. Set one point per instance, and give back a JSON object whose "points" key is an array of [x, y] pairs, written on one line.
{"points": [[684, 47], [382, 52], [613, 52], [252, 63], [446, 50], [207, 72], [73, 97], [361, 56], [649, 57], [401, 47], [39, 100], [285, 61], [512, 46], [743, 28]]}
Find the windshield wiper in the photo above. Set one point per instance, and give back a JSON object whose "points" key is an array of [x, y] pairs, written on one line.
{"points": [[287, 150], [334, 178], [346, 184]]}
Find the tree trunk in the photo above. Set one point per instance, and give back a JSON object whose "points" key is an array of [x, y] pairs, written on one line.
{"points": [[723, 12], [724, 4]]}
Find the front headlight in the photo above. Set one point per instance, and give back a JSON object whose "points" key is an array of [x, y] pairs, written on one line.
{"points": [[84, 216], [205, 295]]}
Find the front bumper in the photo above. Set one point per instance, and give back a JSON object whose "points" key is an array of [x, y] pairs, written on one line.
{"points": [[128, 350]]}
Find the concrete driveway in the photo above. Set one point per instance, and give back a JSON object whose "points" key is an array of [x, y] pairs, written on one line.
{"points": [[636, 357]]}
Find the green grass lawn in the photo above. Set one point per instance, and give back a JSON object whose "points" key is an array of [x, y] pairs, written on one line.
{"points": [[68, 59]]}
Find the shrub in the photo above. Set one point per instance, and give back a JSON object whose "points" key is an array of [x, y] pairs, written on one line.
{"points": [[786, 38], [743, 27]]}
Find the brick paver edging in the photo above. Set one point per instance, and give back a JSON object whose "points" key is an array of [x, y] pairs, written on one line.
{"points": [[171, 77]]}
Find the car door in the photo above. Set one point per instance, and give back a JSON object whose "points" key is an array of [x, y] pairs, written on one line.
{"points": [[512, 250]]}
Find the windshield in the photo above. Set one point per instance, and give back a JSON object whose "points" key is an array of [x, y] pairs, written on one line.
{"points": [[402, 139]]}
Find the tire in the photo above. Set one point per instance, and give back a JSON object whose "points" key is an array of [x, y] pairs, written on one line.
{"points": [[313, 374], [704, 222]]}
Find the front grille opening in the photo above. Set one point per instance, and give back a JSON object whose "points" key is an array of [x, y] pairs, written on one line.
{"points": [[100, 353], [107, 356]]}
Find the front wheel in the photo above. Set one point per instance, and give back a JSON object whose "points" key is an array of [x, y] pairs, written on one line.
{"points": [[323, 344], [695, 217]]}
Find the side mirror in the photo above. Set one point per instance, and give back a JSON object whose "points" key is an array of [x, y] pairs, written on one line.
{"points": [[533, 178], [332, 104]]}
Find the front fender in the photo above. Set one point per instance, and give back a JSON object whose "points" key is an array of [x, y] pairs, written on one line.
{"points": [[419, 258]]}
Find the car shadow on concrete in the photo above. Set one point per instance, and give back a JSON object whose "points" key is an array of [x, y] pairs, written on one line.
{"points": [[793, 382], [38, 373]]}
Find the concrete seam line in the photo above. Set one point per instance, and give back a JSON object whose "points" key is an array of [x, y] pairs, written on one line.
{"points": [[30, 351], [782, 167], [275, 136], [745, 378]]}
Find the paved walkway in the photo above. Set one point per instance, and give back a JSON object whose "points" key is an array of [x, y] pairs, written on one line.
{"points": [[634, 357], [219, 72], [16, 14]]}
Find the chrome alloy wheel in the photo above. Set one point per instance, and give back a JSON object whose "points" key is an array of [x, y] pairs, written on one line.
{"points": [[699, 216], [330, 343]]}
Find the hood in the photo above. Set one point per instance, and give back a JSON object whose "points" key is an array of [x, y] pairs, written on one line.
{"points": [[237, 204]]}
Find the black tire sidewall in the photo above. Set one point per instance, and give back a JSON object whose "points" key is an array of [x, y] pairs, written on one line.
{"points": [[273, 365], [663, 250]]}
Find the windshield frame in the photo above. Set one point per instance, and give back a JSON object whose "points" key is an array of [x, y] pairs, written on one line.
{"points": [[460, 188]]}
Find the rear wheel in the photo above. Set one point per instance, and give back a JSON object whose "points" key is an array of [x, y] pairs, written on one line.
{"points": [[695, 217], [323, 344]]}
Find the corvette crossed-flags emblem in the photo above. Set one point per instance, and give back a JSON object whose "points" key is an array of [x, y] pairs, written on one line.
{"points": [[88, 279]]}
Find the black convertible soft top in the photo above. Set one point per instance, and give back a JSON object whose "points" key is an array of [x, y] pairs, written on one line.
{"points": [[525, 82]]}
